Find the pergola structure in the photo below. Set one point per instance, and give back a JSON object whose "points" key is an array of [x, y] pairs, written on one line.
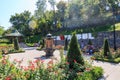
{"points": [[14, 34]]}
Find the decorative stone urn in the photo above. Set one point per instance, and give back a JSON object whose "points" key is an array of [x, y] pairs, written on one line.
{"points": [[49, 45]]}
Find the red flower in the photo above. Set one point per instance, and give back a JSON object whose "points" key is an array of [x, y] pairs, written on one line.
{"points": [[4, 62], [67, 62], [88, 69], [25, 68], [32, 67], [21, 67], [49, 67], [50, 62], [42, 61], [75, 61], [8, 78], [36, 61]]}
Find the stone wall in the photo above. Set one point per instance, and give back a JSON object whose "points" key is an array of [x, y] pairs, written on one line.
{"points": [[98, 41]]}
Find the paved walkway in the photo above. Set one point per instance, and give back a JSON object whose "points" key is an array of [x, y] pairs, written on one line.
{"points": [[111, 71], [31, 54]]}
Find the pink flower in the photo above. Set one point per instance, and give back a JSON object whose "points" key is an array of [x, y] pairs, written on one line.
{"points": [[8, 78], [50, 62], [49, 67], [4, 62], [21, 67], [36, 61], [75, 61], [42, 61], [26, 68], [88, 69], [67, 62]]}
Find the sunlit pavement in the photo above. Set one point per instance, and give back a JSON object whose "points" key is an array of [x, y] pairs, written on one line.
{"points": [[111, 70], [31, 54]]}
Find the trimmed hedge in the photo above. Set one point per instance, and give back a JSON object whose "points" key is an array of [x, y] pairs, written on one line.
{"points": [[116, 60]]}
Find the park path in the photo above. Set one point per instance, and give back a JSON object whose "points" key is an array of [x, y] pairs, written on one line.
{"points": [[111, 71], [31, 54]]}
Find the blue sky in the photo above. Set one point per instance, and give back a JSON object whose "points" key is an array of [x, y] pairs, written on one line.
{"points": [[10, 7]]}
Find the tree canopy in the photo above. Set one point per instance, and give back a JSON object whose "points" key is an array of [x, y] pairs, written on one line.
{"points": [[71, 13], [1, 30], [20, 22]]}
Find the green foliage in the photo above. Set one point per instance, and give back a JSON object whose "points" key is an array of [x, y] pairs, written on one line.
{"points": [[74, 52], [97, 72], [42, 44], [4, 41], [41, 7], [93, 74], [113, 56], [30, 44], [106, 48], [1, 30], [62, 6], [16, 44], [66, 44], [85, 76], [16, 51], [89, 42], [32, 39], [115, 60], [37, 71], [20, 22]]}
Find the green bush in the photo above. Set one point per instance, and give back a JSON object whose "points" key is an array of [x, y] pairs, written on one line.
{"points": [[66, 44], [93, 74], [32, 39], [113, 56], [16, 45], [16, 51], [42, 43], [37, 71], [85, 76], [97, 72], [117, 60], [30, 44], [106, 49], [74, 53], [89, 42]]}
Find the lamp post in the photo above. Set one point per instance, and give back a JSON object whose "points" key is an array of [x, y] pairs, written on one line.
{"points": [[114, 11]]}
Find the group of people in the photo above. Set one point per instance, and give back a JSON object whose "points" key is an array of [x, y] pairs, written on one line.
{"points": [[89, 49]]}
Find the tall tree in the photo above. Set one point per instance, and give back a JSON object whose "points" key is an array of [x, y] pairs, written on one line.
{"points": [[1, 30], [20, 22], [53, 3], [62, 6], [41, 8], [74, 53], [45, 24]]}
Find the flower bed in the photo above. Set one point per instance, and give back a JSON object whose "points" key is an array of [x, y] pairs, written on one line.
{"points": [[115, 56], [37, 71]]}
